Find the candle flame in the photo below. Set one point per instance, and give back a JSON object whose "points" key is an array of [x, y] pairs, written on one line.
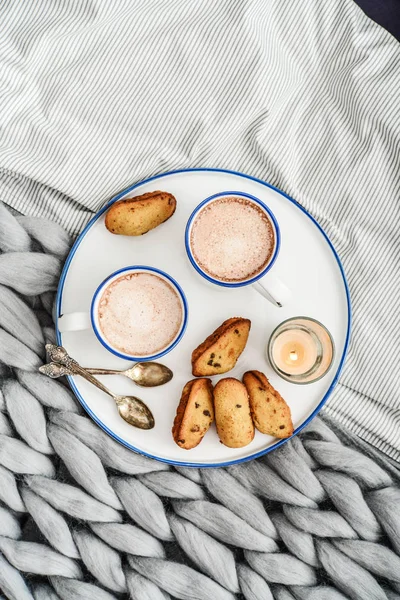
{"points": [[293, 355]]}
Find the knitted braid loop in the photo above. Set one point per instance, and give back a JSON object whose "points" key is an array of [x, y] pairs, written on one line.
{"points": [[83, 517]]}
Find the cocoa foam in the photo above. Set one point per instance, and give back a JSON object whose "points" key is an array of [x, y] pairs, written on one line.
{"points": [[232, 239], [140, 314]]}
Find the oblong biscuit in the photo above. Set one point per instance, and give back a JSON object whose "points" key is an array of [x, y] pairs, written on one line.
{"points": [[194, 414], [232, 413], [138, 215], [271, 414], [220, 351]]}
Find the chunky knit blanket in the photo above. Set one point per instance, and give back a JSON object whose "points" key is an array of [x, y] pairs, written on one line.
{"points": [[82, 517]]}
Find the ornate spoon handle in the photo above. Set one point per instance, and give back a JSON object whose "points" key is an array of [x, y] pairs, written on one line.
{"points": [[55, 370], [104, 372], [78, 370], [58, 354]]}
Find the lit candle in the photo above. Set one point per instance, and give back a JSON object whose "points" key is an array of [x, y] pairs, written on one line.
{"points": [[300, 350], [295, 351]]}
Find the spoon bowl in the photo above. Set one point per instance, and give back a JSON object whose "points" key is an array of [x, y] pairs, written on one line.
{"points": [[134, 412], [149, 374]]}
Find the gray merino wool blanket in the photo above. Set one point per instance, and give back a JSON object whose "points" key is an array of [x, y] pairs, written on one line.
{"points": [[83, 518]]}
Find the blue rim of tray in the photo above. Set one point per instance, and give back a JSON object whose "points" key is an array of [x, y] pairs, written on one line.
{"points": [[186, 463]]}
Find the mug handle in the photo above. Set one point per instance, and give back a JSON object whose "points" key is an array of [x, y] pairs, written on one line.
{"points": [[76, 321], [273, 289]]}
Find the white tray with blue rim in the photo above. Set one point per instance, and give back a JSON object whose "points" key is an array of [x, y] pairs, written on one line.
{"points": [[307, 263]]}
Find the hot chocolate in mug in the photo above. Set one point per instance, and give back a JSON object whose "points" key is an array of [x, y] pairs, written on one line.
{"points": [[138, 313], [232, 239]]}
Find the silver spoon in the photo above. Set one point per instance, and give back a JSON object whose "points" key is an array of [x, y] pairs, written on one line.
{"points": [[145, 374], [131, 409]]}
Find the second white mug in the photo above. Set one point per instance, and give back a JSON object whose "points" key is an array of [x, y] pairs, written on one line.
{"points": [[265, 282], [136, 318]]}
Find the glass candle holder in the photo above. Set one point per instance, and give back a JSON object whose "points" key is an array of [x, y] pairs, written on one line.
{"points": [[301, 350]]}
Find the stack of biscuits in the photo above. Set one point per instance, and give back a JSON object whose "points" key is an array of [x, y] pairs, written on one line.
{"points": [[237, 407]]}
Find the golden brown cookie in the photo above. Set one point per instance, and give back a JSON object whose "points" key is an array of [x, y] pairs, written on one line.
{"points": [[194, 414], [220, 351], [232, 413], [136, 216], [271, 414]]}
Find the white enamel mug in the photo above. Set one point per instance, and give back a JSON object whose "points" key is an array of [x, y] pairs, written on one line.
{"points": [[265, 282], [78, 321]]}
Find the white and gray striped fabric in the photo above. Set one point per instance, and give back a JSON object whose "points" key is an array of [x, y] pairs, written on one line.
{"points": [[97, 95]]}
